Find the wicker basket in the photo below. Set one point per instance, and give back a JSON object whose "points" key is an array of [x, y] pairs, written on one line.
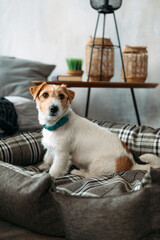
{"points": [[108, 59], [135, 63]]}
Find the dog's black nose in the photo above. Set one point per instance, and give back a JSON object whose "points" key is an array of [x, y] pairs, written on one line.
{"points": [[53, 109]]}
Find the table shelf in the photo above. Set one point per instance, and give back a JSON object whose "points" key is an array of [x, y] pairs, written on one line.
{"points": [[81, 84]]}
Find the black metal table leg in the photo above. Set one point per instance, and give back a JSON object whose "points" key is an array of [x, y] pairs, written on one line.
{"points": [[135, 107], [87, 103], [89, 69]]}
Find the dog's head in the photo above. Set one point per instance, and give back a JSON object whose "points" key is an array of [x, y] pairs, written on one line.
{"points": [[53, 101]]}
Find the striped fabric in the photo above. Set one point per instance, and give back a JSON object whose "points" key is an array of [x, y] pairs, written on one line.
{"points": [[117, 184], [22, 149]]}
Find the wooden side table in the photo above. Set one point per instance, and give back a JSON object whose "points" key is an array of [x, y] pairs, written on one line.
{"points": [[89, 85]]}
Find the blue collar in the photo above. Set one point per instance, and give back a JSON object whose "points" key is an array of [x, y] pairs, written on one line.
{"points": [[60, 123]]}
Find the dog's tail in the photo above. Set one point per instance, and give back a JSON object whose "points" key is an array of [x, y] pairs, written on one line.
{"points": [[148, 160]]}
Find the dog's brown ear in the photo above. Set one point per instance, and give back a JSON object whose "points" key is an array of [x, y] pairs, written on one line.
{"points": [[71, 95], [34, 90]]}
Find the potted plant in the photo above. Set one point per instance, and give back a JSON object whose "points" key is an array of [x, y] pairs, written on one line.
{"points": [[74, 66]]}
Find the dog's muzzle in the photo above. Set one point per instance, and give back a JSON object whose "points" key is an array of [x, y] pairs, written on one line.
{"points": [[53, 110]]}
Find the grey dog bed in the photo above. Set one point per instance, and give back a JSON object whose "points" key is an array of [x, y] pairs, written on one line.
{"points": [[30, 199], [122, 206]]}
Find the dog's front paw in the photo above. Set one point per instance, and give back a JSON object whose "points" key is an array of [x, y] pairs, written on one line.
{"points": [[43, 166], [54, 173]]}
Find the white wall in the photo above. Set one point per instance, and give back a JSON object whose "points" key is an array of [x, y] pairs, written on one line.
{"points": [[51, 30]]}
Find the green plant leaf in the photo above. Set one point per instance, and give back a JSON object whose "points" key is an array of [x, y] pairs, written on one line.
{"points": [[74, 63]]}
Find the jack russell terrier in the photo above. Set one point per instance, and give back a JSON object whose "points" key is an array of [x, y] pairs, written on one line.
{"points": [[69, 138]]}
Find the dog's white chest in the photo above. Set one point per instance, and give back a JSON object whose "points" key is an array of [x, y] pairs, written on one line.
{"points": [[49, 139], [59, 141]]}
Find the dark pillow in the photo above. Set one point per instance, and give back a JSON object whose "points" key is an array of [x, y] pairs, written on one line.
{"points": [[16, 75], [26, 111], [8, 116]]}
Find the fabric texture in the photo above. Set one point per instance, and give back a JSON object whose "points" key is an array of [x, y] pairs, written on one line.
{"points": [[10, 231], [22, 149], [8, 116], [16, 75], [125, 182]]}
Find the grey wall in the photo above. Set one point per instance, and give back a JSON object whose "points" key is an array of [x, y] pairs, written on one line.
{"points": [[52, 30]]}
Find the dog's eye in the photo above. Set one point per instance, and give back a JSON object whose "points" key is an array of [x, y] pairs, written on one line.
{"points": [[45, 95], [61, 96]]}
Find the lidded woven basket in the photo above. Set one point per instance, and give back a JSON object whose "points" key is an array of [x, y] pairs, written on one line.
{"points": [[107, 63], [135, 63]]}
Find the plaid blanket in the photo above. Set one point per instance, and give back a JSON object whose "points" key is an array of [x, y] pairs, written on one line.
{"points": [[22, 149], [116, 184]]}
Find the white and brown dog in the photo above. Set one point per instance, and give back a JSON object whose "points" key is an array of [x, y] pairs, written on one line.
{"points": [[70, 138]]}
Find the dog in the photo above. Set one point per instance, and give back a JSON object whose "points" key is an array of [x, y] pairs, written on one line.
{"points": [[71, 139]]}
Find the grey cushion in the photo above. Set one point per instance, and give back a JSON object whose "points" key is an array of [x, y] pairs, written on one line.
{"points": [[16, 75], [26, 200]]}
